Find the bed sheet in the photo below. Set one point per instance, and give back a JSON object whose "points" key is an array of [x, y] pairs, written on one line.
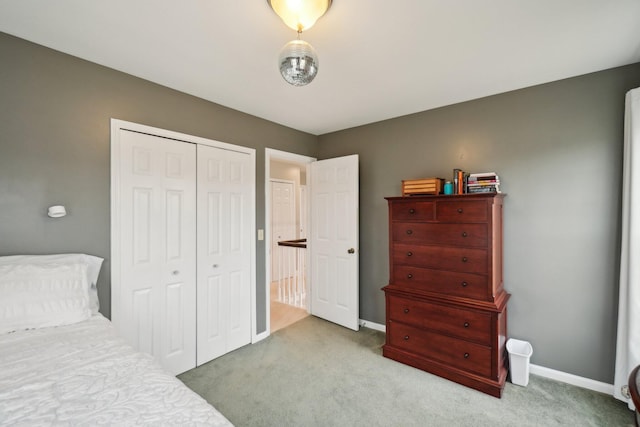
{"points": [[84, 374]]}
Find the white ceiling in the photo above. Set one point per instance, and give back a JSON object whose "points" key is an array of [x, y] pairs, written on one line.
{"points": [[378, 59]]}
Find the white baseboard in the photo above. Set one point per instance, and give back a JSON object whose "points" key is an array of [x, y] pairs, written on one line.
{"points": [[571, 379], [372, 325], [541, 371], [259, 337]]}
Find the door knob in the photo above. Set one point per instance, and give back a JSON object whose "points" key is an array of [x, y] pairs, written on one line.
{"points": [[351, 251], [175, 272], [215, 266]]}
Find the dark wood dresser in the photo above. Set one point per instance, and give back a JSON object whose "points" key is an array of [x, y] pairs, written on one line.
{"points": [[634, 391], [446, 305]]}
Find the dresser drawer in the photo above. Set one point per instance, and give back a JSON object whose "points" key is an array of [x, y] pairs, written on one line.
{"points": [[462, 210], [413, 211], [470, 325], [465, 260], [465, 285], [441, 234], [455, 352]]}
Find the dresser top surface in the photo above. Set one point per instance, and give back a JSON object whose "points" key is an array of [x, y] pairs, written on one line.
{"points": [[447, 196]]}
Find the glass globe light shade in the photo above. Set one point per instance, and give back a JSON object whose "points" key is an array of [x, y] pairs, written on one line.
{"points": [[298, 63], [300, 15]]}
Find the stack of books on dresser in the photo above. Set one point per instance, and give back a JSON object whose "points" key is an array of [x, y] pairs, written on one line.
{"points": [[485, 182]]}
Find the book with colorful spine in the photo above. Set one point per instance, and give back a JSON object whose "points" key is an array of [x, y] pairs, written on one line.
{"points": [[483, 182]]}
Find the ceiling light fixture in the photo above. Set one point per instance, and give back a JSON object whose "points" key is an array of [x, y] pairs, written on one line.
{"points": [[298, 61], [300, 15]]}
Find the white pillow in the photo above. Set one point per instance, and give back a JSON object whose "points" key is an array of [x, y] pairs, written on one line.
{"points": [[42, 295], [93, 268]]}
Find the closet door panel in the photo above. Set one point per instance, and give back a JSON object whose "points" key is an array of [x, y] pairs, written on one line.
{"points": [[142, 330], [142, 224], [178, 296], [182, 244], [174, 316], [158, 281], [214, 321], [224, 253]]}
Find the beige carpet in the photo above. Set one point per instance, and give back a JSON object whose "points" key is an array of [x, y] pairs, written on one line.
{"points": [[315, 373]]}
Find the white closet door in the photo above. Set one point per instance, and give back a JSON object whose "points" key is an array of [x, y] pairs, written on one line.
{"points": [[157, 238], [225, 182]]}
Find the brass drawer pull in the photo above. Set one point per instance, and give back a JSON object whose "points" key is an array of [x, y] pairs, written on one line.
{"points": [[464, 284], [465, 259], [466, 355], [459, 210], [406, 310], [464, 234], [409, 253], [409, 276], [412, 211], [406, 337], [466, 324], [409, 231]]}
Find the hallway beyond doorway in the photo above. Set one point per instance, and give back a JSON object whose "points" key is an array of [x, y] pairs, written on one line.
{"points": [[283, 315]]}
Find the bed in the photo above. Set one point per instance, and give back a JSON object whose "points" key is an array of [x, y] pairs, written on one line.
{"points": [[63, 363]]}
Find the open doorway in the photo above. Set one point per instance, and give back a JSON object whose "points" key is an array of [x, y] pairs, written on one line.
{"points": [[286, 220], [331, 260]]}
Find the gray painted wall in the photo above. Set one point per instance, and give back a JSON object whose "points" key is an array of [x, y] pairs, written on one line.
{"points": [[55, 113], [558, 150]]}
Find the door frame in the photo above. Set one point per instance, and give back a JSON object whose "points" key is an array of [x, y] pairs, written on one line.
{"points": [[273, 154], [116, 126]]}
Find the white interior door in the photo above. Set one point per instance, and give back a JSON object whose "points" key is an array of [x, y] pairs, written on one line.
{"points": [[283, 221], [157, 281], [225, 233], [333, 241]]}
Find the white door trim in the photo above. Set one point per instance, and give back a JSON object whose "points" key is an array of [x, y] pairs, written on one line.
{"points": [[273, 154], [116, 125]]}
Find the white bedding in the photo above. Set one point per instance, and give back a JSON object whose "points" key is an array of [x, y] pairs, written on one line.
{"points": [[83, 374]]}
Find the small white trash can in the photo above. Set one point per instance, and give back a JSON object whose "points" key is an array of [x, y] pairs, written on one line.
{"points": [[519, 354]]}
